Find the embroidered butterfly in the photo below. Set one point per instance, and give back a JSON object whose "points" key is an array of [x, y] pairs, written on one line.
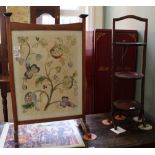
{"points": [[30, 70]]}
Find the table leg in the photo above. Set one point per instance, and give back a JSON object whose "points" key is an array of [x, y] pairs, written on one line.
{"points": [[4, 101]]}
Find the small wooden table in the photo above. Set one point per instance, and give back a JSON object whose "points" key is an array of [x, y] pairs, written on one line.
{"points": [[133, 137]]}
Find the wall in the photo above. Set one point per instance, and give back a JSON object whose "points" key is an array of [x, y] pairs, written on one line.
{"points": [[20, 13], [147, 12], [98, 16]]}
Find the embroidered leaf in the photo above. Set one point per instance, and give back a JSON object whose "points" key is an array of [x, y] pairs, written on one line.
{"points": [[22, 39], [68, 82], [49, 63], [58, 69], [20, 60], [38, 57], [28, 106], [43, 42], [70, 64], [37, 38], [75, 74], [24, 87], [40, 80]]}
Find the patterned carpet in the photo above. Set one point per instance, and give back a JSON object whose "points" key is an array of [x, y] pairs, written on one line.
{"points": [[40, 135]]}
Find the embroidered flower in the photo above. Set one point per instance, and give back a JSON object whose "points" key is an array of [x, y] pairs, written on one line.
{"points": [[56, 51], [31, 70], [30, 100]]}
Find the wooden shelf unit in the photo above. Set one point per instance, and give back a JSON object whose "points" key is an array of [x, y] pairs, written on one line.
{"points": [[122, 104]]}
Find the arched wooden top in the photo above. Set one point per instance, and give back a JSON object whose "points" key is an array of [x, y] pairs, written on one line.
{"points": [[145, 20], [36, 11], [130, 16]]}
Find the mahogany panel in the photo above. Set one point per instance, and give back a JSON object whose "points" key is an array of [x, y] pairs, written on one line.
{"points": [[102, 68], [102, 71]]}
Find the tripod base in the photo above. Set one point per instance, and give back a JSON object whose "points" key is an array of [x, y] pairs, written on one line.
{"points": [[107, 122], [146, 127]]}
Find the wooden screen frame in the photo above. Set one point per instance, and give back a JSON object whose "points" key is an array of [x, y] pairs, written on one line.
{"points": [[12, 26]]}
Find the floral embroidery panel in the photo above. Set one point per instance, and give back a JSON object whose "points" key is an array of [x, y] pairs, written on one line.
{"points": [[47, 73]]}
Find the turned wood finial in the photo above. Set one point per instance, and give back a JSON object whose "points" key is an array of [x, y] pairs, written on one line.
{"points": [[7, 14], [83, 15]]}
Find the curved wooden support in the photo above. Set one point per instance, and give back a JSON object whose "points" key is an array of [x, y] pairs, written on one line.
{"points": [[88, 136]]}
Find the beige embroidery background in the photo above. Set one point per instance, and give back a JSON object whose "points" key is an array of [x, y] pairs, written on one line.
{"points": [[72, 64]]}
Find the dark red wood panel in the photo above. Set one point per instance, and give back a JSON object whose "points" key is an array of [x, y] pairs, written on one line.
{"points": [[102, 72], [102, 68]]}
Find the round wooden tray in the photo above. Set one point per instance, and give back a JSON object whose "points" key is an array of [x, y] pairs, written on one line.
{"points": [[126, 104], [120, 117]]}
